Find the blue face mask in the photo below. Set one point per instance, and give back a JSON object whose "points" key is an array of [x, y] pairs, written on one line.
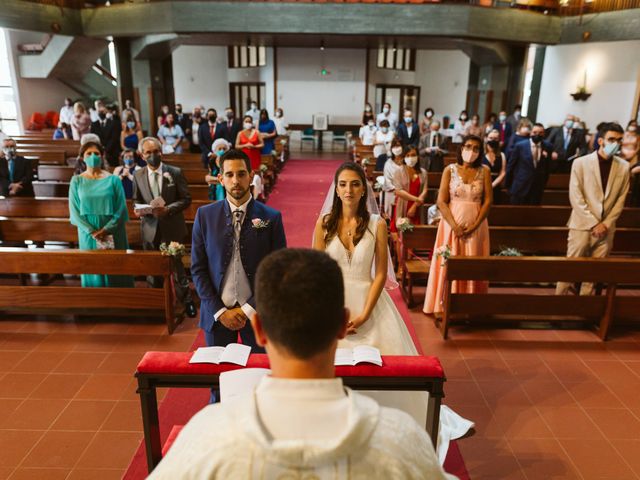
{"points": [[131, 125], [128, 162], [219, 153], [610, 149], [93, 160]]}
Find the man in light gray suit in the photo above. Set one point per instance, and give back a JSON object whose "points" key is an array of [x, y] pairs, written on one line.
{"points": [[165, 224]]}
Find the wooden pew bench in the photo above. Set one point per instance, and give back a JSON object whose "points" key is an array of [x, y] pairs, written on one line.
{"points": [[603, 310], [173, 370], [103, 301]]}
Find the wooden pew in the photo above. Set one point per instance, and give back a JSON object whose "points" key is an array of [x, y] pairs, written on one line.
{"points": [[21, 229], [44, 157], [604, 309], [103, 301], [59, 208], [61, 189], [55, 173], [556, 181]]}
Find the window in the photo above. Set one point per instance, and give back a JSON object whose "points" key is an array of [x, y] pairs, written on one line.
{"points": [[244, 57], [8, 111], [394, 58]]}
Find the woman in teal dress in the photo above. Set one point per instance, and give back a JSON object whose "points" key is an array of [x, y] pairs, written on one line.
{"points": [[216, 190], [98, 208]]}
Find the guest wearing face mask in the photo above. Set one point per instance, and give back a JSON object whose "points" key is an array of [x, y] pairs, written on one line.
{"points": [[432, 148], [66, 112], [490, 124], [250, 142], [129, 164], [632, 126], [425, 121], [522, 134], [382, 144], [568, 144], [81, 122], [410, 183], [368, 132], [131, 133], [194, 137], [109, 135], [389, 116], [464, 200], [208, 132], [171, 136], [216, 189], [515, 117], [391, 167], [281, 124], [162, 118], [97, 206], [183, 120], [528, 168], [166, 223], [16, 172], [408, 132], [232, 126], [474, 127], [267, 129], [459, 127], [367, 115], [504, 128], [496, 160], [253, 112], [597, 190]]}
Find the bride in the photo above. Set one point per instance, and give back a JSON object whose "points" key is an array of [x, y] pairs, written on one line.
{"points": [[357, 240], [351, 231]]}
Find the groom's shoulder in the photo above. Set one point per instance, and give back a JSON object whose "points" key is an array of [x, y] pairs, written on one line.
{"points": [[266, 211]]}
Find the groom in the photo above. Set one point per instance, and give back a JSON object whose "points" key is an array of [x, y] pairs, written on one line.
{"points": [[230, 239]]}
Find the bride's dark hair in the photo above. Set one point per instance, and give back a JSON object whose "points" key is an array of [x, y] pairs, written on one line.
{"points": [[332, 219]]}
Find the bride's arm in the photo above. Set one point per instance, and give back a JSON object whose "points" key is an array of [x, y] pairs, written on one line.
{"points": [[379, 280], [318, 235]]}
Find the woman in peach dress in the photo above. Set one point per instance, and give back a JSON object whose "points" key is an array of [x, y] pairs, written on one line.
{"points": [[464, 200]]}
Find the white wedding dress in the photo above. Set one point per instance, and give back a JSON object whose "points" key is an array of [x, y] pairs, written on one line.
{"points": [[386, 330]]}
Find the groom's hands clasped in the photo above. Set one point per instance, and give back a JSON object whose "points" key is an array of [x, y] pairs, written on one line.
{"points": [[233, 318]]}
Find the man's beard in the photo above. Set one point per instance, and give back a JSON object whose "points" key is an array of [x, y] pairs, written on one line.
{"points": [[238, 194]]}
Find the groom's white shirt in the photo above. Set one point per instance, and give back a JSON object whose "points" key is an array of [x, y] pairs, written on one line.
{"points": [[289, 427], [235, 284]]}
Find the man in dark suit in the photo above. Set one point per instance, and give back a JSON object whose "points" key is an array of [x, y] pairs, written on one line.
{"points": [[528, 169], [208, 132], [166, 223], [183, 120], [432, 148], [523, 132], [16, 173], [408, 131], [108, 132], [568, 143], [232, 126], [229, 240], [515, 117], [504, 128]]}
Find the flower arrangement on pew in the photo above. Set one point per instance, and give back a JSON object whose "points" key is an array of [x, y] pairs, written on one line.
{"points": [[174, 249], [509, 252], [404, 225], [444, 252]]}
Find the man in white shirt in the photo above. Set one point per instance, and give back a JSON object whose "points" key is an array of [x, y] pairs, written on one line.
{"points": [[389, 116], [254, 113], [301, 422], [367, 133], [66, 112]]}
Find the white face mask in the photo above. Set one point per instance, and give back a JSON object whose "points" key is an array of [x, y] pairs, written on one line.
{"points": [[396, 151], [371, 124], [469, 156], [411, 161], [367, 108], [278, 114], [248, 125], [385, 129], [408, 119], [385, 110], [429, 114], [254, 106]]}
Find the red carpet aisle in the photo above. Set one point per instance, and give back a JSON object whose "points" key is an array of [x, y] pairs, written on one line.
{"points": [[299, 195]]}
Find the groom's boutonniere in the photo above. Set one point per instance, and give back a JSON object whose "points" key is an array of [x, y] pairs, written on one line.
{"points": [[169, 178], [259, 223]]}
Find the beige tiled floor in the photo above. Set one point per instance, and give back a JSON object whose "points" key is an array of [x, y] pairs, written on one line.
{"points": [[548, 404]]}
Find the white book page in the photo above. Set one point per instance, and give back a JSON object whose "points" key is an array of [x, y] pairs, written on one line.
{"points": [[207, 355], [236, 353], [240, 382], [367, 354], [142, 208], [344, 356]]}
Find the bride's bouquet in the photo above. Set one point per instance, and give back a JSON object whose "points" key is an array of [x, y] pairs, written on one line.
{"points": [[404, 225]]}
